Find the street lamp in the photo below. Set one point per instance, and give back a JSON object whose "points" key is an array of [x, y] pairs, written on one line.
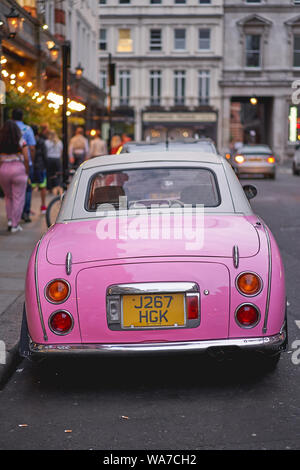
{"points": [[79, 71], [9, 29], [54, 53], [14, 22]]}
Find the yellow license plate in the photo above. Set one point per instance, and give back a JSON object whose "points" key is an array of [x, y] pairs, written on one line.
{"points": [[153, 310]]}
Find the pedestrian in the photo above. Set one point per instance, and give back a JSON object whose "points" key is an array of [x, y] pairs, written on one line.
{"points": [[28, 136], [54, 148], [39, 179], [78, 148], [14, 170], [44, 131], [116, 144], [98, 146], [125, 138]]}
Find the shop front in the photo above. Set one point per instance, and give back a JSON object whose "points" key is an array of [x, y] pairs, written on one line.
{"points": [[161, 126]]}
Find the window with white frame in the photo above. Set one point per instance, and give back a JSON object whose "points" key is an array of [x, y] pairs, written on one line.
{"points": [[124, 87], [179, 87], [253, 50], [103, 79], [155, 87], [204, 39], [203, 87], [155, 40], [180, 39], [124, 41], [296, 61], [102, 39]]}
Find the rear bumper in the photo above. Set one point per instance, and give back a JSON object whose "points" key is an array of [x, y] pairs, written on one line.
{"points": [[256, 169], [265, 344]]}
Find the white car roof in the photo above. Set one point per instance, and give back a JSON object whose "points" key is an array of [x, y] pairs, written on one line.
{"points": [[233, 199], [141, 157]]}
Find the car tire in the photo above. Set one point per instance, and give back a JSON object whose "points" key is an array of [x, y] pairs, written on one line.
{"points": [[24, 350]]}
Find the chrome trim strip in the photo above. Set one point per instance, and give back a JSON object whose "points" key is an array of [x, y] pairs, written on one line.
{"points": [[69, 263], [52, 301], [37, 290], [236, 256], [263, 343], [152, 287], [249, 295], [264, 330]]}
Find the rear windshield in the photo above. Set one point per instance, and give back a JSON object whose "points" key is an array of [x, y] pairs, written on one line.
{"points": [[255, 150], [168, 186]]}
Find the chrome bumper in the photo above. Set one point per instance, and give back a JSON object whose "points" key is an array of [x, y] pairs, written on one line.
{"points": [[267, 343]]}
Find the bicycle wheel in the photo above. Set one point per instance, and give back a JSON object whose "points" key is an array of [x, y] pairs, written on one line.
{"points": [[53, 210]]}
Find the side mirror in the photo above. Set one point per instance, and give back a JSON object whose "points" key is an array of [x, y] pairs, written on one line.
{"points": [[250, 191]]}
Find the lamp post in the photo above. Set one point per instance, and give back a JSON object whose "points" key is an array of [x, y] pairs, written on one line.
{"points": [[111, 82], [66, 59]]}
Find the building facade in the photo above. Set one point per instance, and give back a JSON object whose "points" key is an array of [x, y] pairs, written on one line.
{"points": [[30, 68], [261, 63], [168, 57]]}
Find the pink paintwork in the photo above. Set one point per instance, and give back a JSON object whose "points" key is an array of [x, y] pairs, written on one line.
{"points": [[98, 264]]}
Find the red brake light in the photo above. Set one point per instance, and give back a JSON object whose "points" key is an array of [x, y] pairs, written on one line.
{"points": [[192, 304], [61, 322], [247, 316]]}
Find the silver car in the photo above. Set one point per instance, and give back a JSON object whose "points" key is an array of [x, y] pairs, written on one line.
{"points": [[254, 160], [296, 161], [198, 145]]}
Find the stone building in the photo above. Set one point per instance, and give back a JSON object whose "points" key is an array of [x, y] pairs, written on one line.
{"points": [[261, 62], [168, 56]]}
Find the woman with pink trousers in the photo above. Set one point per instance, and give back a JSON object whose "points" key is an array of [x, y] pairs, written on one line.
{"points": [[13, 172]]}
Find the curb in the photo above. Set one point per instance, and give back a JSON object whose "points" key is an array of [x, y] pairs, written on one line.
{"points": [[13, 359]]}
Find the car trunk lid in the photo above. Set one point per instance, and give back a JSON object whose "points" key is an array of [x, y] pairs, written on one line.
{"points": [[220, 234]]}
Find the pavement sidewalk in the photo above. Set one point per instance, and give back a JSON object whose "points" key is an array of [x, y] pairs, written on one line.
{"points": [[15, 250]]}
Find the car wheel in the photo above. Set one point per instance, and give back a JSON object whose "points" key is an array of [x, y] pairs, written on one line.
{"points": [[24, 350]]}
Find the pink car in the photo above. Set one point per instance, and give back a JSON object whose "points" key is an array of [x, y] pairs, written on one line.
{"points": [[152, 253]]}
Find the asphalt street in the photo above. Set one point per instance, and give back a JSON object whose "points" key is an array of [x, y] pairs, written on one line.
{"points": [[168, 403]]}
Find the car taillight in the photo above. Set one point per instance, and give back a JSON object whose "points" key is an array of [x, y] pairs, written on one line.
{"points": [[249, 284], [239, 158], [57, 291], [192, 306], [247, 316], [271, 159], [61, 322]]}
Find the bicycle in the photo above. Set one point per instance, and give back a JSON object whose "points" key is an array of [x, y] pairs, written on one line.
{"points": [[55, 204]]}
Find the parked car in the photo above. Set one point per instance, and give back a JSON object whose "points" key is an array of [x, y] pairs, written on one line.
{"points": [[187, 145], [254, 160], [296, 161], [90, 287]]}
